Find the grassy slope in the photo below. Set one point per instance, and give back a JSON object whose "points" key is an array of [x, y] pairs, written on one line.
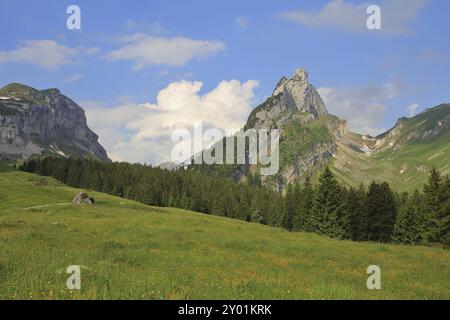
{"points": [[405, 166], [128, 250], [405, 169]]}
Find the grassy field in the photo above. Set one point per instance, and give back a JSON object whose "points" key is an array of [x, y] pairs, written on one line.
{"points": [[131, 251]]}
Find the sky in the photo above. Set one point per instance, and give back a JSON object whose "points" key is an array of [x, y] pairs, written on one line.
{"points": [[141, 69]]}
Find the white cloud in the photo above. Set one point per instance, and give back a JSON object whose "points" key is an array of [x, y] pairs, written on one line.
{"points": [[144, 50], [363, 108], [412, 109], [93, 50], [242, 22], [152, 28], [46, 54], [76, 77], [142, 133], [396, 16]]}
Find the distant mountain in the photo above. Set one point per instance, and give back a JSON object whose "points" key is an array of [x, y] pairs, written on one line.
{"points": [[402, 156], [34, 122], [311, 138], [171, 166]]}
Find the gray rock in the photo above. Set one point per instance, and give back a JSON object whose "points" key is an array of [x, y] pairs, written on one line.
{"points": [[83, 198], [290, 98]]}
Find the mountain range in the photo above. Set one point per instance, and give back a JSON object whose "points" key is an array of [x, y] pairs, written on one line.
{"points": [[41, 122], [311, 139]]}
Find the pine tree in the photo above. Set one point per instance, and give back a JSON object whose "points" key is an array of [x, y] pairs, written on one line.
{"points": [[305, 209], [289, 213], [382, 212], [345, 217], [328, 207], [444, 214], [355, 206], [219, 208], [410, 221], [297, 221], [434, 200]]}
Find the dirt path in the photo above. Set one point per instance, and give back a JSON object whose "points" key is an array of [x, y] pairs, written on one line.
{"points": [[47, 205]]}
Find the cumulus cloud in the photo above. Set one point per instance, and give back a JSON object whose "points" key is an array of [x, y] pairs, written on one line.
{"points": [[412, 109], [46, 54], [144, 50], [363, 108], [142, 132], [396, 16]]}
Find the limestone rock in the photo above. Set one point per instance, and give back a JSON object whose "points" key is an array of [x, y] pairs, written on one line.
{"points": [[291, 97], [83, 198]]}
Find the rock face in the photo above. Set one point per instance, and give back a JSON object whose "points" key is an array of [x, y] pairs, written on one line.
{"points": [[83, 198], [292, 98], [44, 122], [308, 132]]}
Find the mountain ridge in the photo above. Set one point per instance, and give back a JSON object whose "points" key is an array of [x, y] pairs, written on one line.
{"points": [[311, 139], [35, 122]]}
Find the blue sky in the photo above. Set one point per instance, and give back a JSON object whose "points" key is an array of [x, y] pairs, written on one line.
{"points": [[196, 54]]}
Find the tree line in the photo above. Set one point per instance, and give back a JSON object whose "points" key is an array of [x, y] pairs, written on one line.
{"points": [[372, 213]]}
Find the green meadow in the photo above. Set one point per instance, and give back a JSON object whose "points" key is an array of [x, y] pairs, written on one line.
{"points": [[127, 250]]}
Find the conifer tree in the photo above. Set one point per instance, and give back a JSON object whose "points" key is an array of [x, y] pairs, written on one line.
{"points": [[444, 213], [382, 212], [434, 199], [328, 207], [219, 208], [289, 213], [355, 206], [410, 221], [297, 222], [305, 209]]}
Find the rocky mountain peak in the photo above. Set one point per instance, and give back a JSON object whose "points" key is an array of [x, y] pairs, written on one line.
{"points": [[292, 98], [298, 79], [280, 86], [301, 75]]}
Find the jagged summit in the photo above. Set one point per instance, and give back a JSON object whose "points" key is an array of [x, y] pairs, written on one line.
{"points": [[291, 97], [299, 78], [300, 75]]}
